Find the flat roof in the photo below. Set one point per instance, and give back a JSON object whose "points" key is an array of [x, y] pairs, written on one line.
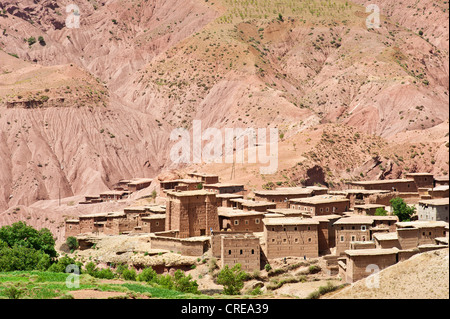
{"points": [[114, 192], [386, 236], [155, 216], [191, 193], [203, 175], [371, 252], [384, 181], [184, 180], [238, 213], [219, 185], [140, 180], [421, 224], [354, 220], [369, 206], [436, 202], [72, 221], [289, 221], [419, 174], [360, 191], [320, 199], [287, 211], [287, 191], [251, 203], [227, 195]]}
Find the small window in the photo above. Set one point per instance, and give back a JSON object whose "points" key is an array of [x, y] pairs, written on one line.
{"points": [[284, 240], [157, 223], [229, 252], [295, 228], [342, 227], [246, 222], [321, 210], [240, 251], [257, 221], [430, 233], [363, 228], [328, 209], [309, 240], [296, 240], [236, 222], [353, 227], [273, 240], [273, 228], [284, 229], [253, 251], [309, 227], [363, 238], [353, 238]]}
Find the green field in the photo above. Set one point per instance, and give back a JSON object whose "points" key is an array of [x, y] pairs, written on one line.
{"points": [[49, 285]]}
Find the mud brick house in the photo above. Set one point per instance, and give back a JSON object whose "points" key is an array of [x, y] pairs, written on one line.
{"points": [[441, 181], [153, 223], [113, 195], [281, 196], [93, 223], [191, 213], [394, 185], [350, 229], [434, 209], [367, 209], [72, 228], [321, 205], [250, 205], [414, 234], [361, 263], [179, 185], [326, 232], [225, 188], [291, 236], [241, 249], [422, 180], [117, 224], [138, 184], [223, 200], [441, 191], [364, 196], [288, 212], [156, 209], [122, 185], [239, 220], [204, 178], [91, 199]]}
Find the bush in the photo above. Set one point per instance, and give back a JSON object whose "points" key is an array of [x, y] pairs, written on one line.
{"points": [[267, 267], [380, 211], [232, 279], [61, 264], [31, 40], [72, 243], [314, 295], [148, 275], [13, 292], [41, 40], [314, 269], [23, 258], [328, 288], [184, 283], [129, 274], [401, 209]]}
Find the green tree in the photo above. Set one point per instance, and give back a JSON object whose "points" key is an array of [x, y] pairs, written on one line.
{"points": [[148, 275], [232, 279], [72, 243], [129, 274], [20, 234], [380, 211], [401, 209], [184, 283]]}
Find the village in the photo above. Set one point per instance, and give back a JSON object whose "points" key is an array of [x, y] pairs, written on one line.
{"points": [[202, 216]]}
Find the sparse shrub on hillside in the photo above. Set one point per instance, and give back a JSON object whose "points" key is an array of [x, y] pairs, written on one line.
{"points": [[31, 41], [232, 279], [72, 243]]}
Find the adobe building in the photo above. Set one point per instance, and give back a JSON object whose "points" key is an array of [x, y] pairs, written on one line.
{"points": [[250, 205], [321, 205], [291, 237], [441, 181], [350, 229], [414, 234], [422, 180], [118, 224], [179, 185], [281, 196], [139, 183], [441, 191], [394, 185], [153, 223], [122, 185], [72, 228], [113, 195], [225, 188], [223, 200], [240, 249], [364, 196], [361, 263], [204, 178], [289, 212], [433, 210], [367, 209], [239, 220], [326, 232], [191, 213], [92, 223]]}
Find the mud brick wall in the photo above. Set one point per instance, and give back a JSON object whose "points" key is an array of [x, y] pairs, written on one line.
{"points": [[244, 251], [72, 229], [346, 234], [284, 241], [357, 265], [186, 248]]}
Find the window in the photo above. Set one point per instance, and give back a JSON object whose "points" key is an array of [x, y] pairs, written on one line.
{"points": [[342, 227], [246, 222], [273, 228], [363, 228], [157, 223], [273, 240], [353, 238], [284, 240], [328, 209], [257, 221], [240, 251], [284, 229], [321, 210], [353, 227], [295, 228], [253, 251], [236, 222], [363, 238], [309, 240], [296, 240], [309, 227]]}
